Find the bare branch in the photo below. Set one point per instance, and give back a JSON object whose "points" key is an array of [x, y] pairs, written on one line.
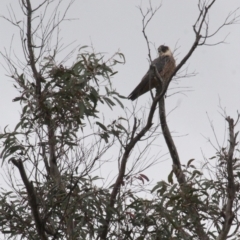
{"points": [[192, 214], [37, 76], [145, 22], [32, 198], [231, 188]]}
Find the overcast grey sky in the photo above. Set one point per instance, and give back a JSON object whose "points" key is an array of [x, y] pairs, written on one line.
{"points": [[112, 25]]}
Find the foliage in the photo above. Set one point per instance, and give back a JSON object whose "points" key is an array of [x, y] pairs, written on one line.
{"points": [[54, 191]]}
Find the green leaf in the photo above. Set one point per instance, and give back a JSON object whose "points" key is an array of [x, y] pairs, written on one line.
{"points": [[81, 109], [70, 143], [24, 110], [21, 79], [94, 92], [19, 99], [121, 127], [119, 102], [13, 149], [84, 46], [189, 162], [159, 185], [17, 126], [170, 177], [115, 133], [109, 102], [122, 56], [107, 90], [172, 188], [106, 68], [101, 126], [196, 172], [113, 73], [121, 118], [94, 96], [105, 136], [116, 93]]}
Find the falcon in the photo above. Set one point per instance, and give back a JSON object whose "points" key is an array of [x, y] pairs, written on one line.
{"points": [[165, 65]]}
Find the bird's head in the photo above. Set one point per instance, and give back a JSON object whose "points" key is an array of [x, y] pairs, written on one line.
{"points": [[164, 51]]}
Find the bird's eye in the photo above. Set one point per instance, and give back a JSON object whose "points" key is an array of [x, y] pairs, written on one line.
{"points": [[164, 49]]}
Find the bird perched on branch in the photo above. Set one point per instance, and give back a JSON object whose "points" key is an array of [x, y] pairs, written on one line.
{"points": [[165, 65]]}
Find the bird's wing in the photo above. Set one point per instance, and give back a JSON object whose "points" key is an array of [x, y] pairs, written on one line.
{"points": [[160, 63], [141, 88], [147, 81]]}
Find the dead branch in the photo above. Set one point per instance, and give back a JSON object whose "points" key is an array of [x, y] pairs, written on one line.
{"points": [[148, 125], [146, 18], [119, 180], [32, 198], [231, 188], [37, 76], [192, 214], [170, 143]]}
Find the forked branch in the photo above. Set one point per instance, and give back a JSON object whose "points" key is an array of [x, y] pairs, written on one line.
{"points": [[231, 188]]}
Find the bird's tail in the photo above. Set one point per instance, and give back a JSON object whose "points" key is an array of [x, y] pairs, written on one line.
{"points": [[133, 95]]}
